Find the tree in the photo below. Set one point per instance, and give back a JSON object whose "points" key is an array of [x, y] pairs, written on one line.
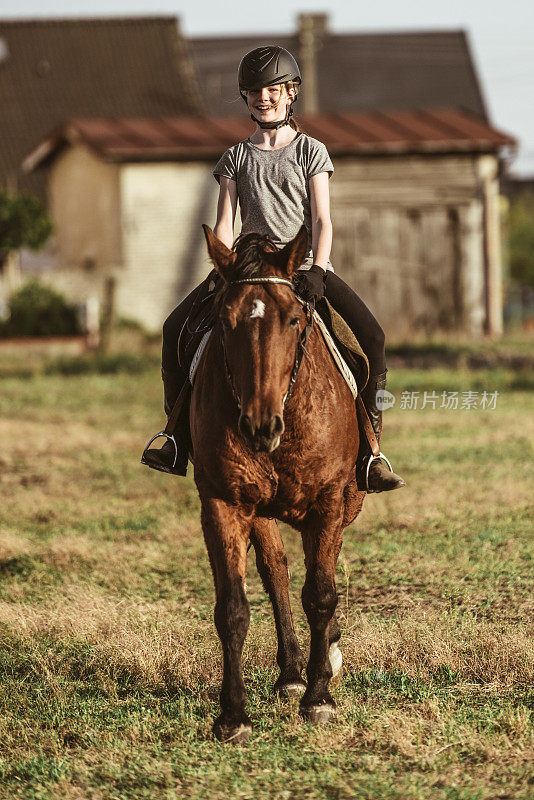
{"points": [[34, 310], [521, 239], [24, 222]]}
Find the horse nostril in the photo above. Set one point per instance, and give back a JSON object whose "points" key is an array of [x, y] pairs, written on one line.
{"points": [[262, 437], [245, 426], [277, 425]]}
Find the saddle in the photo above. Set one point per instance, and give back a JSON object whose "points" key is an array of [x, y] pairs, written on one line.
{"points": [[201, 319], [346, 342]]}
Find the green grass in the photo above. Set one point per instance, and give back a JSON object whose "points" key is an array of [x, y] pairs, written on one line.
{"points": [[109, 658]]}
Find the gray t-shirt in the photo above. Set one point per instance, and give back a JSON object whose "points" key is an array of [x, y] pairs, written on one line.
{"points": [[272, 186]]}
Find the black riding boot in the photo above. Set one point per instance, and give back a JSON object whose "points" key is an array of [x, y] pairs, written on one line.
{"points": [[163, 458], [380, 477]]}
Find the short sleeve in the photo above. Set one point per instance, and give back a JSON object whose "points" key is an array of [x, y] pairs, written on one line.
{"points": [[319, 160], [226, 166]]}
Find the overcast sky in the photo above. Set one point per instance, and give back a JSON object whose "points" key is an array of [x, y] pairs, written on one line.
{"points": [[501, 36]]}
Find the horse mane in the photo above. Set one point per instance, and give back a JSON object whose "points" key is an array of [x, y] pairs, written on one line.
{"points": [[250, 249]]}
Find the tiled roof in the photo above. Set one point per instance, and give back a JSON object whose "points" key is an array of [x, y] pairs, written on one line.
{"points": [[356, 71], [52, 70], [187, 138]]}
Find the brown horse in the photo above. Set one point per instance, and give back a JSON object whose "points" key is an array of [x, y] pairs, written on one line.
{"points": [[261, 453]]}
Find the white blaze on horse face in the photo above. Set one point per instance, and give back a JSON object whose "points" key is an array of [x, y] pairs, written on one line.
{"points": [[258, 309]]}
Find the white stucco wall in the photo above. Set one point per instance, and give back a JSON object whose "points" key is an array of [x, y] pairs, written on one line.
{"points": [[164, 252]]}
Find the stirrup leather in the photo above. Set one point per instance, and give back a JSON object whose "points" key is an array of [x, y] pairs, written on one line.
{"points": [[370, 460]]}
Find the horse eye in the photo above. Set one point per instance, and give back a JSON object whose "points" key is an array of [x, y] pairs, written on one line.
{"points": [[294, 322]]}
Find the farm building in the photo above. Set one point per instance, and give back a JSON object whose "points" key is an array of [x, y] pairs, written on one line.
{"points": [[417, 160], [54, 69], [414, 196]]}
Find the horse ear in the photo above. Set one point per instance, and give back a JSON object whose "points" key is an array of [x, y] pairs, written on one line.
{"points": [[223, 259], [290, 258]]}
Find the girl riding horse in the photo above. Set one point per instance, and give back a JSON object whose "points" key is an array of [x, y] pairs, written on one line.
{"points": [[280, 177]]}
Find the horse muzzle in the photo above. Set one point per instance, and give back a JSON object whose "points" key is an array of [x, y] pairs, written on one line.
{"points": [[262, 436]]}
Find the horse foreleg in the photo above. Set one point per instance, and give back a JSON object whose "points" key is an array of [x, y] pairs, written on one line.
{"points": [[271, 561], [334, 653], [322, 543], [226, 532]]}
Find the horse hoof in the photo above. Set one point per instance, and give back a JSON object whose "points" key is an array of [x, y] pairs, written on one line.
{"points": [[291, 689], [236, 734], [317, 715], [336, 659]]}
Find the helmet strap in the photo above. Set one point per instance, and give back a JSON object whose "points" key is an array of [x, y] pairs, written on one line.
{"points": [[274, 126]]}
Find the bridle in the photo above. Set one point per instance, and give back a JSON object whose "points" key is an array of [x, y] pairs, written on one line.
{"points": [[301, 344]]}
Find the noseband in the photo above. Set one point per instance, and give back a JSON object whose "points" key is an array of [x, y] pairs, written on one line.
{"points": [[301, 345]]}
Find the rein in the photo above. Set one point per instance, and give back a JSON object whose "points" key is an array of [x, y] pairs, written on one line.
{"points": [[301, 344]]}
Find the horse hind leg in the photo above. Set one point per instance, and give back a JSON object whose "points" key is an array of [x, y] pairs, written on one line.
{"points": [[271, 561], [226, 534]]}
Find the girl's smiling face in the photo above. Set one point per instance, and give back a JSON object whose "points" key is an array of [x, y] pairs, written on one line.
{"points": [[270, 103]]}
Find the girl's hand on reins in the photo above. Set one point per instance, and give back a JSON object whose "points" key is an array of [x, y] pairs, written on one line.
{"points": [[310, 283]]}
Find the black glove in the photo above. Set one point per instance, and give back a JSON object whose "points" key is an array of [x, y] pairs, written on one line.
{"points": [[309, 283]]}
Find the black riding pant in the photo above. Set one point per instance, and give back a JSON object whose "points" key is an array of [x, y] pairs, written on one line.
{"points": [[359, 319], [346, 302]]}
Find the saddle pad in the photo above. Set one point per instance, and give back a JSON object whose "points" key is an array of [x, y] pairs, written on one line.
{"points": [[339, 361], [346, 342], [336, 355]]}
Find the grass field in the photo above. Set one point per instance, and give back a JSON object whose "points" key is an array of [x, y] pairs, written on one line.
{"points": [[109, 657]]}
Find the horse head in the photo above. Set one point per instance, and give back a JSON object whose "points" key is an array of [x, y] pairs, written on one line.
{"points": [[260, 322]]}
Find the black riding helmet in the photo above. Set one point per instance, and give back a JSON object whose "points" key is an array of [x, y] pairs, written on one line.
{"points": [[267, 66]]}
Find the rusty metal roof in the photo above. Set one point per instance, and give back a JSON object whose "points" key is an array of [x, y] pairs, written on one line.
{"points": [[194, 138]]}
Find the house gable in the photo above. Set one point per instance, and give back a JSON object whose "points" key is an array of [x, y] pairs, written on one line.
{"points": [[354, 71], [52, 70], [84, 195]]}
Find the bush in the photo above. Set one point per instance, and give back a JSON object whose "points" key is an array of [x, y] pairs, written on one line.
{"points": [[100, 364], [24, 222], [129, 324], [36, 310]]}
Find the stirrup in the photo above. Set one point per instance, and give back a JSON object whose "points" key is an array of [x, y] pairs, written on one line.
{"points": [[160, 467], [372, 458]]}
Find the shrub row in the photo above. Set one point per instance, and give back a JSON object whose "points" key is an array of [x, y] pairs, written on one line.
{"points": [[37, 310]]}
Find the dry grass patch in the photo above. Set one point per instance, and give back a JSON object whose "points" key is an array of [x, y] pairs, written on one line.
{"points": [[475, 651], [110, 660], [155, 644]]}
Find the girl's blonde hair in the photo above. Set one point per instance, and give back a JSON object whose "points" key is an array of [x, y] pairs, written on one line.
{"points": [[293, 85]]}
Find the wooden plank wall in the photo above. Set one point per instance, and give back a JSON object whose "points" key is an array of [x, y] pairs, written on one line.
{"points": [[409, 238]]}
